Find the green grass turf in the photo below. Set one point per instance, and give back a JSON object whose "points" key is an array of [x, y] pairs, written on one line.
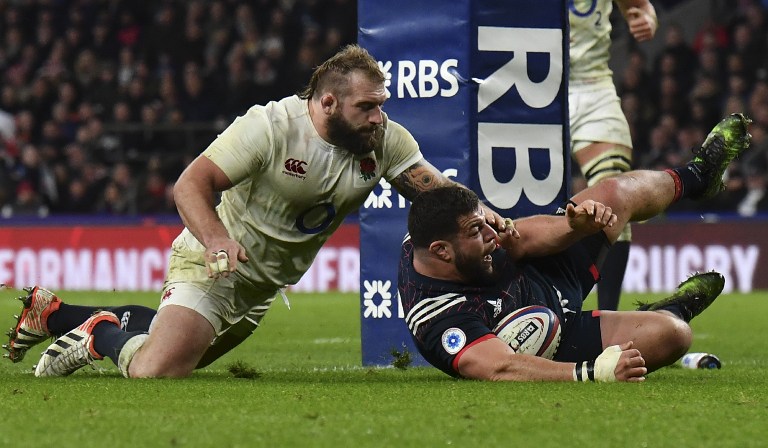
{"points": [[312, 392]]}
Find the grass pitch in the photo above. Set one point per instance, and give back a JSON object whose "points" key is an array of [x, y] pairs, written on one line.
{"points": [[302, 386]]}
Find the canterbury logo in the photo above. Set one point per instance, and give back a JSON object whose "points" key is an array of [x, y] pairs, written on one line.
{"points": [[296, 166]]}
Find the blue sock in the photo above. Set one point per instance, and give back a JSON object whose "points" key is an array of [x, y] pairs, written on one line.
{"points": [[68, 317], [109, 339]]}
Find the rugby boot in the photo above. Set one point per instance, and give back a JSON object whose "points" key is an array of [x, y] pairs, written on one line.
{"points": [[31, 326], [727, 140], [693, 295], [73, 350]]}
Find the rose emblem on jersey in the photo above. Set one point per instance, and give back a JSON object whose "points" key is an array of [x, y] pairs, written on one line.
{"points": [[367, 168]]}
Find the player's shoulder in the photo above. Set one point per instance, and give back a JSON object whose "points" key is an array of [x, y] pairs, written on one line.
{"points": [[287, 108], [397, 134]]}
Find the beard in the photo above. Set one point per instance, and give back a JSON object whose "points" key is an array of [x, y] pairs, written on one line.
{"points": [[474, 271], [355, 140]]}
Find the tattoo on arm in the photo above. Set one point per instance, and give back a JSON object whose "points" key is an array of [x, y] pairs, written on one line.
{"points": [[420, 176]]}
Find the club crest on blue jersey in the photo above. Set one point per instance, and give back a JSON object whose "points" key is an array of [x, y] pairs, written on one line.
{"points": [[454, 340]]}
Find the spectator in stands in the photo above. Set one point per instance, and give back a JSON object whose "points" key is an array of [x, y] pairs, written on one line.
{"points": [[103, 147], [755, 198], [103, 93], [113, 201], [748, 47], [249, 52], [103, 44], [26, 202], [152, 198], [123, 179], [196, 103], [78, 199]]}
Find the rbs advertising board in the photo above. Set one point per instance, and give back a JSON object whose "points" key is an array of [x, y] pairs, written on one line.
{"points": [[481, 85]]}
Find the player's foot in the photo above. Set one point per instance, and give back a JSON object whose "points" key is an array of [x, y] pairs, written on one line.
{"points": [[31, 328], [73, 350], [693, 295], [723, 144]]}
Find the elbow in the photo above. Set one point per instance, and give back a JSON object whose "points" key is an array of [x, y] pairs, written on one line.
{"points": [[177, 189]]}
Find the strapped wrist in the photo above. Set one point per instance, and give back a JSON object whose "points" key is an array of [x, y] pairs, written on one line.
{"points": [[584, 371]]}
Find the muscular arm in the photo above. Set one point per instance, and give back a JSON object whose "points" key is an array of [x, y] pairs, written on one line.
{"points": [[494, 360], [546, 234], [423, 176], [194, 196]]}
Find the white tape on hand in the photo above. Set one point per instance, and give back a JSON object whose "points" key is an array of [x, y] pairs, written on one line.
{"points": [[221, 264], [605, 364]]}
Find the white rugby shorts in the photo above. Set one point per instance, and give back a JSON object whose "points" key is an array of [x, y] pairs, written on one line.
{"points": [[596, 115], [222, 302]]}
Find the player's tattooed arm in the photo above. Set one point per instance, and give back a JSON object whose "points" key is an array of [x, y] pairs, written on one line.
{"points": [[421, 176]]}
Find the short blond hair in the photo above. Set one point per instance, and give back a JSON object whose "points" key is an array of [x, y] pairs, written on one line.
{"points": [[333, 74]]}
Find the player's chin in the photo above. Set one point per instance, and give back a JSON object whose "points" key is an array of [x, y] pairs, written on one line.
{"points": [[488, 273]]}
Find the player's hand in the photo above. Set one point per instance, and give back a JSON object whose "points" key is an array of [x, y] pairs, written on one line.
{"points": [[222, 256], [494, 220], [615, 363], [510, 234], [631, 365], [642, 25], [589, 217]]}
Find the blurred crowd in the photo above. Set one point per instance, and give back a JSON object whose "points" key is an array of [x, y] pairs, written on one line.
{"points": [[104, 102], [673, 101]]}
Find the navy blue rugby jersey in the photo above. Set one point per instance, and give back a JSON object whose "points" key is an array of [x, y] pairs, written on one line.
{"points": [[445, 317]]}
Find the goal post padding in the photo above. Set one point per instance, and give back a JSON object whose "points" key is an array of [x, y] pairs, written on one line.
{"points": [[482, 86]]}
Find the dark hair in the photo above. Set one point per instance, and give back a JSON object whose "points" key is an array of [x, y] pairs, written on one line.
{"points": [[333, 74], [434, 214]]}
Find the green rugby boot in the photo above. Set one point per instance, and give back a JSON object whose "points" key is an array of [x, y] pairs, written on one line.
{"points": [[724, 143], [692, 297]]}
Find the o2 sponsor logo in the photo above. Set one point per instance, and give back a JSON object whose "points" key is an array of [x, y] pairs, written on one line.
{"points": [[316, 219], [583, 12]]}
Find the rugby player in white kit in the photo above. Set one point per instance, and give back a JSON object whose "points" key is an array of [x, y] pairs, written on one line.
{"points": [[600, 140], [289, 173]]}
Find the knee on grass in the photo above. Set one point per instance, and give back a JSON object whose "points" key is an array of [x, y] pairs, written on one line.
{"points": [[673, 339], [138, 361]]}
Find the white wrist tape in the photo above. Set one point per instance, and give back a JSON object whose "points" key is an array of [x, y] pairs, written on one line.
{"points": [[601, 369]]}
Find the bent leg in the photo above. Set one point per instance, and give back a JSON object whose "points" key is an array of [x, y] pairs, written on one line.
{"points": [[633, 196], [228, 340], [599, 161], [178, 339], [661, 338]]}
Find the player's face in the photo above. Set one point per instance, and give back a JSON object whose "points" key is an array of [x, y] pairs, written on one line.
{"points": [[473, 247], [356, 124]]}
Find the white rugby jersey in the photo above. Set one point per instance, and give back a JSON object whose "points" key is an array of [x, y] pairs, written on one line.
{"points": [[291, 190], [590, 39]]}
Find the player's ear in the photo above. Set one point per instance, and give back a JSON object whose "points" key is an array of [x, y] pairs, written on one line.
{"points": [[328, 102], [442, 250]]}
